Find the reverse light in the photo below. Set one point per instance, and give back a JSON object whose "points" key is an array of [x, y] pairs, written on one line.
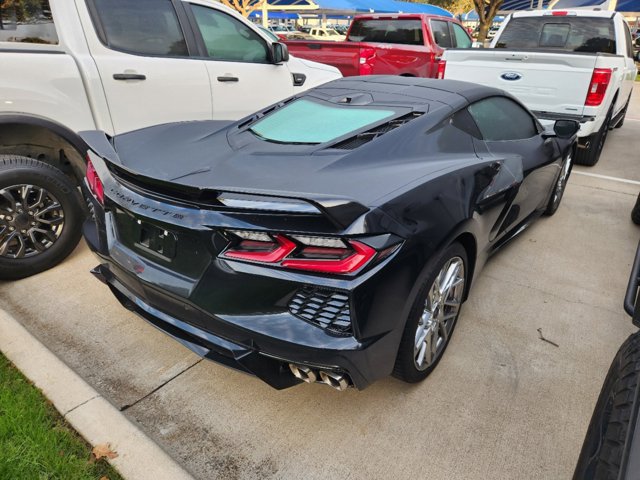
{"points": [[300, 252], [442, 65], [598, 87], [94, 182]]}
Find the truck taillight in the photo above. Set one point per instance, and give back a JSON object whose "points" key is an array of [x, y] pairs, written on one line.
{"points": [[365, 62], [94, 182], [442, 65], [598, 87], [300, 252]]}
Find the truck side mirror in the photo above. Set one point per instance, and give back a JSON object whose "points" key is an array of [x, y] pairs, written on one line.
{"points": [[566, 128], [279, 53]]}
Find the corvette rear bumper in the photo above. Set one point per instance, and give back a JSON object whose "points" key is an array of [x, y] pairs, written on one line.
{"points": [[237, 341]]}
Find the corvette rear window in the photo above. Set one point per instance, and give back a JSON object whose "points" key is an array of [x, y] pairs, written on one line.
{"points": [[306, 121]]}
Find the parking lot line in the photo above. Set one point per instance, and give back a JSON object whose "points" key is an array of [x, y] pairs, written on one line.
{"points": [[607, 177]]}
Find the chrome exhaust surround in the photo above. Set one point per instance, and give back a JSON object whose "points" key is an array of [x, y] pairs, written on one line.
{"points": [[336, 380], [305, 374]]}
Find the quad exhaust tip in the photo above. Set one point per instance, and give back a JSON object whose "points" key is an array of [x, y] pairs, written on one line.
{"points": [[336, 380]]}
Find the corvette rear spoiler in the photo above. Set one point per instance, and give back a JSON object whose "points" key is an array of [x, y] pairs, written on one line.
{"points": [[341, 212]]}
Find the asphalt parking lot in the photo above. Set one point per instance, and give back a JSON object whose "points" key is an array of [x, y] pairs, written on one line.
{"points": [[502, 403]]}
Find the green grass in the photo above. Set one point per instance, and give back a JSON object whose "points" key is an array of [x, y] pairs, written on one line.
{"points": [[35, 441]]}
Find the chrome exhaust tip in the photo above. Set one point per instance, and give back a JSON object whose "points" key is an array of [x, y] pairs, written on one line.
{"points": [[335, 380], [305, 374]]}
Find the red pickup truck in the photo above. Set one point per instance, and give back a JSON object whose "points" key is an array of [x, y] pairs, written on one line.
{"points": [[403, 44]]}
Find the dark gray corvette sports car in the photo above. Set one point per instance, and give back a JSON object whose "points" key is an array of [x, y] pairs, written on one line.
{"points": [[330, 238]]}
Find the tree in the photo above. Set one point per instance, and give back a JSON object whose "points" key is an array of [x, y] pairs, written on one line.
{"points": [[486, 10], [244, 7]]}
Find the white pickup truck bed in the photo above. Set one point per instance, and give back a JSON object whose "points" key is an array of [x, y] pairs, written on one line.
{"points": [[561, 65]]}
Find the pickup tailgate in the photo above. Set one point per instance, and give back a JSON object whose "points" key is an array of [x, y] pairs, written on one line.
{"points": [[345, 56], [553, 82]]}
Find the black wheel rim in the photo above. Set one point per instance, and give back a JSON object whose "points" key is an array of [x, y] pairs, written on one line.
{"points": [[31, 221]]}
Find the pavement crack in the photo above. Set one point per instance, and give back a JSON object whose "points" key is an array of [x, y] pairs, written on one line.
{"points": [[80, 404], [124, 408]]}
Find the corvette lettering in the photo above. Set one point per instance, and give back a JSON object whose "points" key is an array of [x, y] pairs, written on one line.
{"points": [[142, 206]]}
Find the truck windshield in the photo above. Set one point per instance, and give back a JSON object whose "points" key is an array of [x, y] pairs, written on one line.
{"points": [[311, 122], [408, 32], [571, 34]]}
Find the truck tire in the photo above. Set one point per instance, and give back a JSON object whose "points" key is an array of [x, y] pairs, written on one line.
{"points": [[606, 446], [41, 217], [624, 114], [590, 156]]}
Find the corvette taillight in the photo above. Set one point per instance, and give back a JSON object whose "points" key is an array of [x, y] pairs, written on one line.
{"points": [[265, 250], [598, 87], [94, 182], [309, 253]]}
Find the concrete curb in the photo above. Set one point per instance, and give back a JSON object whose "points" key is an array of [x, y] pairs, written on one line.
{"points": [[86, 410]]}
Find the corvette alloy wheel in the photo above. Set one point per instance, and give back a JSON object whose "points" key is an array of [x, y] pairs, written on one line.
{"points": [[561, 184], [439, 314]]}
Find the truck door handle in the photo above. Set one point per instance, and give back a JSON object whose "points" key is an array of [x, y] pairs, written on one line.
{"points": [[228, 79], [314, 46], [129, 76]]}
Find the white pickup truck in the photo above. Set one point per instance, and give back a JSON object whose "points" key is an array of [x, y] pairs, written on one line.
{"points": [[576, 65], [116, 66]]}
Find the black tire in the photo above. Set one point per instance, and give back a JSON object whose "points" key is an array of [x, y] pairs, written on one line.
{"points": [[560, 185], [590, 156], [405, 367], [45, 240], [606, 446], [635, 213]]}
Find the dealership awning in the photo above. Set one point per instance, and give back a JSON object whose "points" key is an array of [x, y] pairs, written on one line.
{"points": [[514, 5], [281, 9], [618, 6], [355, 6], [472, 16]]}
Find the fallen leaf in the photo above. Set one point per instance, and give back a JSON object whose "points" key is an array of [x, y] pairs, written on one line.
{"points": [[103, 451], [104, 478]]}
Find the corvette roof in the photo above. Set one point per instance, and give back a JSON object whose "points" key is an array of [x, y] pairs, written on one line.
{"points": [[450, 92]]}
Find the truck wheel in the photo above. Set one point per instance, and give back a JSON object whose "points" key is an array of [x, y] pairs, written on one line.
{"points": [[635, 213], [591, 155], [606, 446], [624, 114], [40, 217]]}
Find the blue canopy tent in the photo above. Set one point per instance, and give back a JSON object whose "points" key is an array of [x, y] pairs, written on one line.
{"points": [[275, 15], [619, 6], [472, 16], [280, 9], [514, 5]]}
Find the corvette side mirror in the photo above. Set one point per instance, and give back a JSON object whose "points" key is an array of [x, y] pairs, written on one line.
{"points": [[566, 128]]}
